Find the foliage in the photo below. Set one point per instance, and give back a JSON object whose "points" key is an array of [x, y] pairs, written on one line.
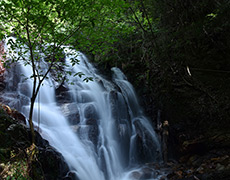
{"points": [[16, 171], [177, 56], [42, 27], [194, 37]]}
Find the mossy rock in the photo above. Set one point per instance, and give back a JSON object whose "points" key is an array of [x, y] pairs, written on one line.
{"points": [[15, 138], [13, 135]]}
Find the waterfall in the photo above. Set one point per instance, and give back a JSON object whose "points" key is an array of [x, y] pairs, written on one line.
{"points": [[98, 126]]}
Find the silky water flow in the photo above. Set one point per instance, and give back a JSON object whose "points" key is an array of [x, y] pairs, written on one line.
{"points": [[98, 126]]}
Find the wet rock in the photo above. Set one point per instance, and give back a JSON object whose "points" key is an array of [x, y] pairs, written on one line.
{"points": [[147, 149], [118, 107], [62, 94], [93, 134], [147, 174], [135, 175], [114, 103], [54, 167], [71, 176], [90, 112], [2, 85], [91, 122], [18, 116], [101, 83], [15, 137], [90, 132], [84, 97], [71, 112], [61, 88]]}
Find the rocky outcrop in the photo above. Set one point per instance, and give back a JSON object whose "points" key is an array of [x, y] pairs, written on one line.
{"points": [[53, 167], [14, 114], [71, 112], [62, 94], [91, 118], [15, 139], [90, 114], [147, 149]]}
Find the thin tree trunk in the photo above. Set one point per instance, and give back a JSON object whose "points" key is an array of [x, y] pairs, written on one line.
{"points": [[31, 120], [33, 96]]}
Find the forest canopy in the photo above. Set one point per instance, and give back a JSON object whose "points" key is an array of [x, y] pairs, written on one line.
{"points": [[181, 47], [175, 52]]}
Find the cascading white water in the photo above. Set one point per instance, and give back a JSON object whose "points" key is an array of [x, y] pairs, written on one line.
{"points": [[104, 142]]}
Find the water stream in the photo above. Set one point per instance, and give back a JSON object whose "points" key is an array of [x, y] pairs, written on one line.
{"points": [[98, 127]]}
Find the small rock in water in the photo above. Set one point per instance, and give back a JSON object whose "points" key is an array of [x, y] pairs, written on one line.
{"points": [[71, 176], [135, 175], [147, 173]]}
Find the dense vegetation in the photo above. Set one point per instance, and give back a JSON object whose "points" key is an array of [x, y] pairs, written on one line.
{"points": [[176, 52], [179, 52], [178, 59], [45, 27]]}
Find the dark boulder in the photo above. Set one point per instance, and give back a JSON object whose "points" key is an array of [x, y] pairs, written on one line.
{"points": [[62, 94], [93, 134], [90, 113], [71, 176], [147, 148], [18, 116], [15, 137], [52, 163], [91, 122], [89, 131], [2, 85]]}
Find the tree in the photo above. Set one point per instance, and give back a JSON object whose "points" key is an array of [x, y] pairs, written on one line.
{"points": [[34, 22], [43, 26], [182, 52]]}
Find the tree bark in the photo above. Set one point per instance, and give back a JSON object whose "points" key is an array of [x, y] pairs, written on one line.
{"points": [[31, 120]]}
